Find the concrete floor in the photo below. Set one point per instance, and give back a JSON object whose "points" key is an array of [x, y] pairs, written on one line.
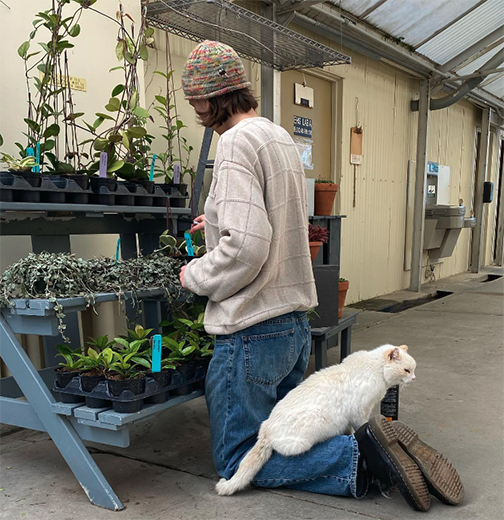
{"points": [[456, 404]]}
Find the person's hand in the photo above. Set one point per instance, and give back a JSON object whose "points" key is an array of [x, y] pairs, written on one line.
{"points": [[182, 269], [199, 223]]}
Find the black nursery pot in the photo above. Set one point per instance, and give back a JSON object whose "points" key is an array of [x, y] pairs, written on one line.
{"points": [[6, 178], [64, 378], [187, 372], [104, 190], [163, 378], [89, 382], [56, 195], [32, 178], [81, 179], [146, 200], [135, 386]]}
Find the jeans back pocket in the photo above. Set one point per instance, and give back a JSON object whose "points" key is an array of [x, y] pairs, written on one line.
{"points": [[269, 357]]}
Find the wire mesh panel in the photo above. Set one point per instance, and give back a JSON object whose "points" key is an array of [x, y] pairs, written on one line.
{"points": [[252, 36]]}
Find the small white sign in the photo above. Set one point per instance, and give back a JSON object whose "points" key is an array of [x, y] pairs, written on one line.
{"points": [[355, 159]]}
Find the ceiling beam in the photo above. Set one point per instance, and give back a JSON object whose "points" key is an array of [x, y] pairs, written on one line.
{"points": [[374, 7], [491, 80], [479, 74], [296, 5], [489, 42]]}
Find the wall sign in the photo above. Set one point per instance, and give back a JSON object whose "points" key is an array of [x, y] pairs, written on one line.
{"points": [[303, 126]]}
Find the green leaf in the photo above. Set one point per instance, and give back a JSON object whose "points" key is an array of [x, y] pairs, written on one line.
{"points": [[133, 103], [119, 50], [32, 54], [61, 46], [136, 132], [98, 122], [117, 90], [141, 112], [100, 144], [74, 116], [1, 140], [120, 67], [113, 105], [104, 116], [161, 99], [34, 126], [144, 53], [23, 49], [129, 58], [141, 361], [167, 76], [114, 138], [149, 31], [47, 145], [45, 47], [115, 166], [52, 130], [74, 30], [125, 140], [122, 342], [92, 354]]}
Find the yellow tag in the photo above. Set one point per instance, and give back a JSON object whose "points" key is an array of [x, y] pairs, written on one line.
{"points": [[75, 83]]}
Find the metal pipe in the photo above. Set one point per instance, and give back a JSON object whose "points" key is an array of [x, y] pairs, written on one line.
{"points": [[420, 183]]}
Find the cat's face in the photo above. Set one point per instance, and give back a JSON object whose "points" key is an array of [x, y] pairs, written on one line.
{"points": [[399, 366]]}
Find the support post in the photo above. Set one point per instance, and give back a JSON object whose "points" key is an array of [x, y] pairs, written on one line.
{"points": [[481, 173], [499, 243], [420, 183], [267, 75]]}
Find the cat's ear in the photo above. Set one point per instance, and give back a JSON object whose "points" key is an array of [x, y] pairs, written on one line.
{"points": [[394, 354], [404, 347]]}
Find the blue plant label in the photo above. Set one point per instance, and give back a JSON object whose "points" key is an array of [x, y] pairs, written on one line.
{"points": [[151, 176], [176, 174], [103, 164], [37, 158], [118, 249], [157, 343], [189, 246]]}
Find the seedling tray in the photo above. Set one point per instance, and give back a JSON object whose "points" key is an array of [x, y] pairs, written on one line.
{"points": [[127, 402], [57, 189]]}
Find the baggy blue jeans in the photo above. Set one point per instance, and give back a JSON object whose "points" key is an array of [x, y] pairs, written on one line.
{"points": [[250, 371]]}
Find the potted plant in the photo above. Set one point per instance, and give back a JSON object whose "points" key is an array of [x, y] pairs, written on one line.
{"points": [[124, 372], [342, 291], [94, 364], [71, 367], [317, 235], [177, 247], [325, 192]]}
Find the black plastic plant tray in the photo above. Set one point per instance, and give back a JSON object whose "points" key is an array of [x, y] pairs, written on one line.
{"points": [[127, 402], [63, 190]]}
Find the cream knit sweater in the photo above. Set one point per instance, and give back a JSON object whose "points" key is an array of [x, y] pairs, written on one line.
{"points": [[256, 229]]}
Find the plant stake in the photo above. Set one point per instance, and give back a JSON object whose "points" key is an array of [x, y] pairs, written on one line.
{"points": [[31, 153], [118, 249], [157, 342], [176, 174], [189, 245], [103, 165], [151, 176], [37, 168]]}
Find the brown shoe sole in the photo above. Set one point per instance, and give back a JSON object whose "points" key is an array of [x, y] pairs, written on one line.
{"points": [[442, 478], [414, 488]]}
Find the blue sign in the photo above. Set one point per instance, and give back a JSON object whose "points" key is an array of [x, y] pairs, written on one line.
{"points": [[303, 126], [433, 167]]}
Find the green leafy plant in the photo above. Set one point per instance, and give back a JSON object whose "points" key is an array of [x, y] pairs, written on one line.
{"points": [[171, 246], [51, 105], [138, 333], [125, 365], [73, 360], [323, 181], [100, 343], [180, 351], [18, 165]]}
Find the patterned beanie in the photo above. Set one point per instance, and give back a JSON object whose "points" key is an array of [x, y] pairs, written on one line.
{"points": [[213, 69]]}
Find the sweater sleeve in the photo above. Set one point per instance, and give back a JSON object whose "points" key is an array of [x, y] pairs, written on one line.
{"points": [[245, 236]]}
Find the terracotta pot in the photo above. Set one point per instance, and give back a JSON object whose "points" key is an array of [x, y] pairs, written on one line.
{"points": [[324, 197], [342, 290], [314, 249]]}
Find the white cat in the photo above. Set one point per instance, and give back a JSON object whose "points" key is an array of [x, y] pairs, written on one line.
{"points": [[334, 401]]}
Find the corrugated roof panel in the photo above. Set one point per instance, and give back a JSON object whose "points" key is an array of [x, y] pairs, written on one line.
{"points": [[496, 88], [464, 33], [416, 20], [357, 7], [477, 64]]}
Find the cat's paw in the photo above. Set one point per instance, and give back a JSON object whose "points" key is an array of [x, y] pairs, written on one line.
{"points": [[223, 487]]}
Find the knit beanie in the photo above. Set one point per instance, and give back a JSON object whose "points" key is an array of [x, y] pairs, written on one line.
{"points": [[213, 69]]}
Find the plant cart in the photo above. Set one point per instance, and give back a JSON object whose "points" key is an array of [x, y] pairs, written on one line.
{"points": [[70, 424]]}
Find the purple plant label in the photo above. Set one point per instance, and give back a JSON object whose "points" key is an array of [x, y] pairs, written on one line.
{"points": [[103, 164], [176, 174], [157, 343]]}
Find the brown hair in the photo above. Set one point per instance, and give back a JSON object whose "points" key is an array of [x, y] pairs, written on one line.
{"points": [[223, 107]]}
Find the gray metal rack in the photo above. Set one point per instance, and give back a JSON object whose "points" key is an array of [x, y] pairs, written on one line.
{"points": [[50, 227]]}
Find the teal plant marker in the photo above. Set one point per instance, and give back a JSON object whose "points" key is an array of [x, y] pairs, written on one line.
{"points": [[151, 176], [118, 248], [30, 152], [157, 343], [37, 168], [189, 246], [103, 164]]}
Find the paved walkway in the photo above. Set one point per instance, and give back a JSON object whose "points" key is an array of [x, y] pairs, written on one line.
{"points": [[456, 404]]}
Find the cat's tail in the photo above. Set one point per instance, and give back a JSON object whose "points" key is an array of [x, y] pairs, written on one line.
{"points": [[248, 469]]}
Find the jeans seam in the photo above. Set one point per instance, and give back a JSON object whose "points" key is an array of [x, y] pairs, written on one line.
{"points": [[228, 395], [355, 463], [299, 480]]}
